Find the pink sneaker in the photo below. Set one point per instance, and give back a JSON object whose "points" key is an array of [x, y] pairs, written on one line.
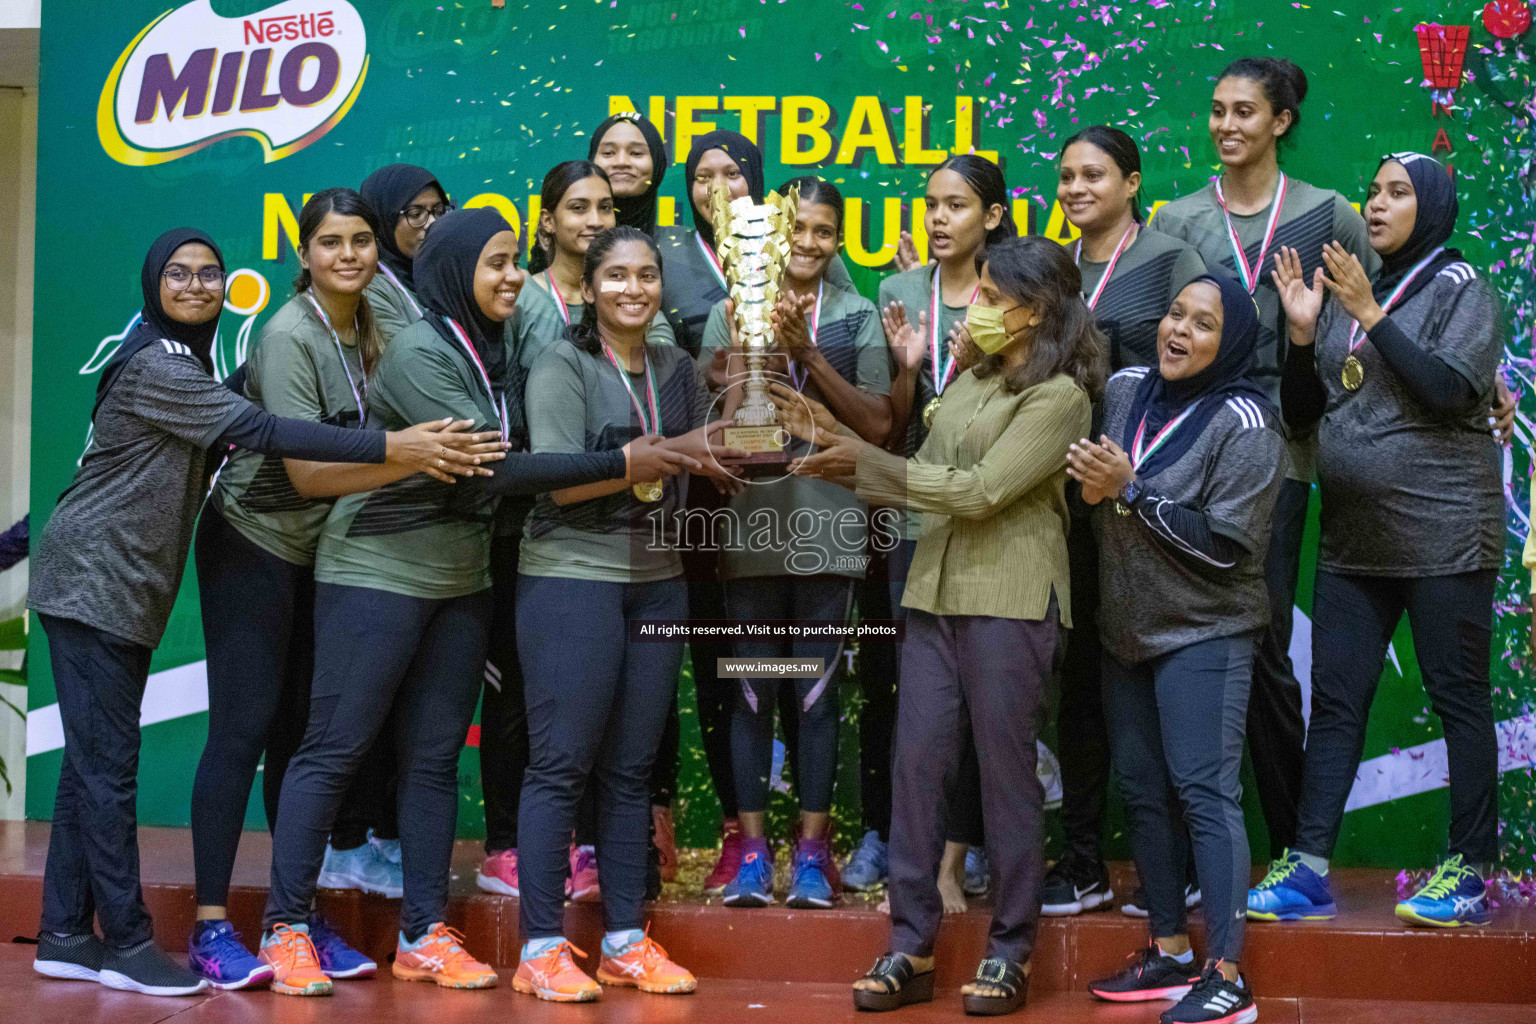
{"points": [[499, 873], [582, 885], [729, 864]]}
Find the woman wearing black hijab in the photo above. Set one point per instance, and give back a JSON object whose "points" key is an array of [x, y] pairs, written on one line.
{"points": [[629, 150], [408, 200], [403, 603], [1184, 479], [105, 577], [1401, 374]]}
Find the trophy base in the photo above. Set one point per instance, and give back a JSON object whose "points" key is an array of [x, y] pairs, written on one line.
{"points": [[764, 445]]}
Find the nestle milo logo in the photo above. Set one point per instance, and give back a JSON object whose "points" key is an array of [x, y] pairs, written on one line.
{"points": [[283, 76]]}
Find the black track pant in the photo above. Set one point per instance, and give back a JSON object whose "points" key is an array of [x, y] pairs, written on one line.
{"points": [[1082, 738], [415, 664], [1353, 618]]}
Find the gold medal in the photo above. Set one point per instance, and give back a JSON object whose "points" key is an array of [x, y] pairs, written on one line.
{"points": [[649, 490], [929, 412], [1354, 373]]}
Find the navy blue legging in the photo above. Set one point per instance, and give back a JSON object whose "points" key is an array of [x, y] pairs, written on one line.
{"points": [[597, 704], [380, 658]]}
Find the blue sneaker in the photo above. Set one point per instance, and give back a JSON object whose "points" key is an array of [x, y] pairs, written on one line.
{"points": [[217, 955], [978, 872], [362, 867], [337, 959], [1455, 897], [810, 888], [869, 866], [388, 849], [1291, 892], [753, 884]]}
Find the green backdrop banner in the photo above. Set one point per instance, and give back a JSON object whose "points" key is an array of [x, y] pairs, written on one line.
{"points": [[226, 114]]}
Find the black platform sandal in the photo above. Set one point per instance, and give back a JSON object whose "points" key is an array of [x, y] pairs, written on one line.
{"points": [[901, 984], [1003, 975]]}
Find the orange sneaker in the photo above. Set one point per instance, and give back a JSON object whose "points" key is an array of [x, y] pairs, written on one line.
{"points": [[555, 976], [295, 964], [439, 956], [645, 966]]}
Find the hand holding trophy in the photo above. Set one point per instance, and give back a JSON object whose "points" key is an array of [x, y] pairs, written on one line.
{"points": [[753, 245]]}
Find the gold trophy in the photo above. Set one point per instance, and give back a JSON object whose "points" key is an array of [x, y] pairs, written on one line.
{"points": [[753, 244]]}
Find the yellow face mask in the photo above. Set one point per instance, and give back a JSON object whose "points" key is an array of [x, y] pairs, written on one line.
{"points": [[986, 326]]}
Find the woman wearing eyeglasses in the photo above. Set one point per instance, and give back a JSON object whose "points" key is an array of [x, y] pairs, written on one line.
{"points": [[407, 199], [104, 579]]}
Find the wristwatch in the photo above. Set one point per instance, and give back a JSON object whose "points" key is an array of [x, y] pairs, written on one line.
{"points": [[1128, 496]]}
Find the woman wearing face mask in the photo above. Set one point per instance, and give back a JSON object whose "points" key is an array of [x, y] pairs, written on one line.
{"points": [[255, 557], [105, 576], [1130, 275], [408, 200], [1400, 374], [1184, 479], [594, 559], [402, 608], [966, 212], [835, 354], [1237, 223], [986, 595]]}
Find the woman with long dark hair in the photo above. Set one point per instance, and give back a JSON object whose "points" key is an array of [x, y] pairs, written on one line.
{"points": [[105, 576], [1399, 375], [402, 608], [255, 557], [966, 211], [987, 594], [595, 559], [1184, 479], [1130, 275]]}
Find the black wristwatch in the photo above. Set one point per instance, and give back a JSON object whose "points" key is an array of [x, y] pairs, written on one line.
{"points": [[1128, 496]]}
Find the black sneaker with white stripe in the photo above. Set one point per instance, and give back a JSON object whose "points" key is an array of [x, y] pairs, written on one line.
{"points": [[1214, 1000], [1074, 885], [1150, 974], [1137, 905], [148, 969], [72, 957]]}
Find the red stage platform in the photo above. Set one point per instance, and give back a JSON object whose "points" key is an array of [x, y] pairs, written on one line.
{"points": [[779, 965]]}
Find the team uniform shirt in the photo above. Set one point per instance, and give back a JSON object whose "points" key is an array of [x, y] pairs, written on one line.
{"points": [[294, 371], [825, 524], [114, 549], [1311, 218], [417, 536], [1155, 600], [1405, 493], [395, 307], [577, 402], [691, 285], [1150, 272]]}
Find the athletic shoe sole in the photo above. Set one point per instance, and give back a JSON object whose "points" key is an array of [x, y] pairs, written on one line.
{"points": [[809, 903], [412, 974], [123, 983], [1089, 901], [1190, 903], [680, 988], [1323, 913], [1411, 916], [314, 988], [550, 995], [64, 970], [1244, 1016], [260, 976], [754, 901], [591, 894], [487, 883], [335, 880], [1145, 995], [362, 971]]}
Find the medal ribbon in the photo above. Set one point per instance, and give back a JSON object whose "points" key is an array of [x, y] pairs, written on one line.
{"points": [[1139, 456], [1250, 273], [554, 290], [653, 426], [359, 396], [1386, 307], [498, 401], [942, 369], [795, 374], [713, 260], [1125, 240], [390, 274]]}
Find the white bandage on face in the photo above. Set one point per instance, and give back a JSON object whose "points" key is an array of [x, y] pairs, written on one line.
{"points": [[613, 286]]}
